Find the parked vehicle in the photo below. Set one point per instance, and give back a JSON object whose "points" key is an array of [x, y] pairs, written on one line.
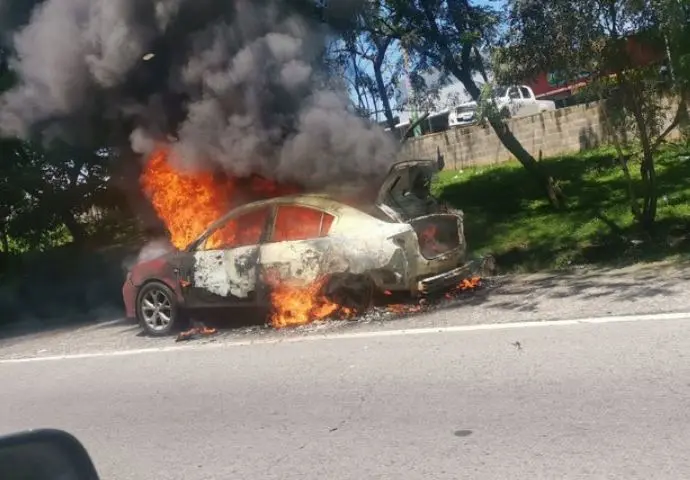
{"points": [[514, 101], [404, 240], [465, 114]]}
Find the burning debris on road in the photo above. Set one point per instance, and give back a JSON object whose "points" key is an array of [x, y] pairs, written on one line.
{"points": [[199, 330], [466, 285], [303, 307]]}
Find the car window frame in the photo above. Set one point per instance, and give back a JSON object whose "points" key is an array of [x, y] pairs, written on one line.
{"points": [[276, 209], [517, 91], [233, 215]]}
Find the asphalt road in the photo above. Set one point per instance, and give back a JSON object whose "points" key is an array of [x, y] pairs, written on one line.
{"points": [[558, 400], [641, 289]]}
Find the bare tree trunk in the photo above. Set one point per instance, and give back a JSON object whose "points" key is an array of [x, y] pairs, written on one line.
{"points": [[622, 160], [381, 49], [5, 239], [512, 144], [380, 85], [680, 117], [647, 169], [648, 173], [357, 83], [482, 70]]}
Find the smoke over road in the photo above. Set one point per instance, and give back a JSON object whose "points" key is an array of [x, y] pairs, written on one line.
{"points": [[237, 84]]}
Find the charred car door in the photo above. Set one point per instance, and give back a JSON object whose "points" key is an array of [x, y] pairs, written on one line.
{"points": [[295, 248], [222, 269]]}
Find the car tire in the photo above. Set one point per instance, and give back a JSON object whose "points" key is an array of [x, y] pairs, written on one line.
{"points": [[354, 292], [157, 309]]}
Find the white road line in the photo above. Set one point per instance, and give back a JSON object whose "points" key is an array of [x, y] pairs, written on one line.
{"points": [[359, 335]]}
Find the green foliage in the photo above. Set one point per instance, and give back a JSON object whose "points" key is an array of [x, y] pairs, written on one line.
{"points": [[44, 193], [506, 215], [446, 35], [486, 105], [363, 54], [674, 22], [593, 36]]}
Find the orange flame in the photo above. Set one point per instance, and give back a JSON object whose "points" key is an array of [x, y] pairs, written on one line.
{"points": [[470, 283], [400, 309], [466, 284], [188, 202], [198, 331], [301, 305]]}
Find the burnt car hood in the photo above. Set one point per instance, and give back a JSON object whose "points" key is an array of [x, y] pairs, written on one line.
{"points": [[395, 192]]}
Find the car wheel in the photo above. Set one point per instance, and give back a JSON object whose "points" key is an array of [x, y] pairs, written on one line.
{"points": [[354, 292], [157, 309]]}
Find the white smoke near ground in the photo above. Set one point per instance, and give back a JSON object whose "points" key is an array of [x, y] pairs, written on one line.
{"points": [[152, 250], [236, 84], [155, 249]]}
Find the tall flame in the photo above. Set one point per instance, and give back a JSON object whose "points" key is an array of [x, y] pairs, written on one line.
{"points": [[188, 202]]}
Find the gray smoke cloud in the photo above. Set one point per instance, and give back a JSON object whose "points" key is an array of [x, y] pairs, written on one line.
{"points": [[235, 83]]}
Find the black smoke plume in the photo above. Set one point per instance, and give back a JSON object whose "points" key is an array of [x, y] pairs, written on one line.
{"points": [[237, 84]]}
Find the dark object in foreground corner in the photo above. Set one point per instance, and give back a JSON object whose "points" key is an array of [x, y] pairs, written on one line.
{"points": [[198, 330], [44, 455]]}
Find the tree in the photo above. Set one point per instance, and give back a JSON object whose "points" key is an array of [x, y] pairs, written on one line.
{"points": [[358, 56], [592, 36], [364, 54], [378, 44], [449, 35], [42, 189]]}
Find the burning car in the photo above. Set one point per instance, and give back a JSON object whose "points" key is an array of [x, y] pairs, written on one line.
{"points": [[338, 251]]}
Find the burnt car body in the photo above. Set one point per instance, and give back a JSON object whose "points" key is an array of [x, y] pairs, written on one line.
{"points": [[405, 241]]}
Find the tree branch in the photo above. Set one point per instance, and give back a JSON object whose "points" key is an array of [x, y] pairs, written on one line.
{"points": [[676, 121], [413, 126]]}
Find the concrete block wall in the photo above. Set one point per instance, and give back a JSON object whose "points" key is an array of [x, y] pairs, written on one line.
{"points": [[557, 132]]}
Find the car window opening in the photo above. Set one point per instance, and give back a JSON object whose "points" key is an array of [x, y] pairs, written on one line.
{"points": [[239, 232], [295, 223]]}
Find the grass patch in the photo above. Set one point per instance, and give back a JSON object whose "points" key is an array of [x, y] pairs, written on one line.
{"points": [[506, 213]]}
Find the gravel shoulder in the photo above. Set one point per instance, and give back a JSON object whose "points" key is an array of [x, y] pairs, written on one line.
{"points": [[586, 292]]}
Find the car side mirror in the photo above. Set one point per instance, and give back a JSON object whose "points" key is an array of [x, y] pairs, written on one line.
{"points": [[44, 455]]}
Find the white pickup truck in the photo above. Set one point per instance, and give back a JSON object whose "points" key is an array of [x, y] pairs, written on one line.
{"points": [[514, 101]]}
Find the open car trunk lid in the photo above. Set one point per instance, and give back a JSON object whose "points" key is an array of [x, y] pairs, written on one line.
{"points": [[405, 195], [406, 190]]}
